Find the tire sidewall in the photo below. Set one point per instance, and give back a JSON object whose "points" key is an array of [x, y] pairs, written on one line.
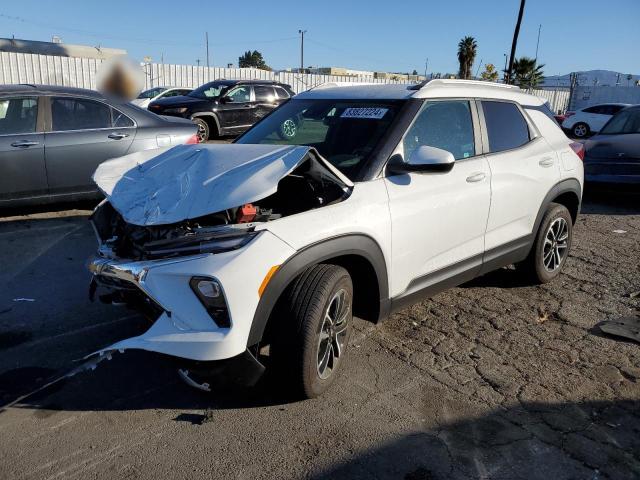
{"points": [[554, 212], [313, 384], [200, 121]]}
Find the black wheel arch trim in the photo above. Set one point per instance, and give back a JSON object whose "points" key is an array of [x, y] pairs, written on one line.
{"points": [[207, 114], [350, 244], [569, 185]]}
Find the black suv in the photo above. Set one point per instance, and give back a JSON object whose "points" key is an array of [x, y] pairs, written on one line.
{"points": [[225, 107]]}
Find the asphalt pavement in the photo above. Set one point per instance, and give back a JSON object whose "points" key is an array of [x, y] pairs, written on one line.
{"points": [[494, 379]]}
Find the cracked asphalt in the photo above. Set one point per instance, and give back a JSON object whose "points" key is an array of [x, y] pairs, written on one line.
{"points": [[495, 379]]}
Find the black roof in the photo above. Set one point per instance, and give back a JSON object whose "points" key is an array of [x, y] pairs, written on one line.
{"points": [[27, 88], [224, 81]]}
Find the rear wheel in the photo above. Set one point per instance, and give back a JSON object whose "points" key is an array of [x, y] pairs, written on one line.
{"points": [[203, 130], [580, 130], [551, 247], [311, 343]]}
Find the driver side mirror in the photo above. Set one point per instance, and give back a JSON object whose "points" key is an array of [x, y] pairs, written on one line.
{"points": [[423, 159], [226, 100]]}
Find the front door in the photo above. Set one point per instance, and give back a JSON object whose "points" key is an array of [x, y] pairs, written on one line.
{"points": [[22, 167], [84, 133], [439, 219], [237, 110], [266, 101]]}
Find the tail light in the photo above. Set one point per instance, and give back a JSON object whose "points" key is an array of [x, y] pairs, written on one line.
{"points": [[578, 148], [192, 140]]}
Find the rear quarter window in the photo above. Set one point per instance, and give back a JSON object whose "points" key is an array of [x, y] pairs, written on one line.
{"points": [[506, 127]]}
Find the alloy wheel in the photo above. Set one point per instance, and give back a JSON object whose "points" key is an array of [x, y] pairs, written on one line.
{"points": [[202, 133], [556, 244], [580, 130], [289, 128], [333, 333]]}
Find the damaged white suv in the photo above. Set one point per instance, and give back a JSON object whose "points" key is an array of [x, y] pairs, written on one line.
{"points": [[347, 200]]}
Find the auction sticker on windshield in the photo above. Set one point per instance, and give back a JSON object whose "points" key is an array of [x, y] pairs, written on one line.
{"points": [[364, 112]]}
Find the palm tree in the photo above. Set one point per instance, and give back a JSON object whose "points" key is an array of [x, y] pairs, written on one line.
{"points": [[466, 56], [526, 73]]}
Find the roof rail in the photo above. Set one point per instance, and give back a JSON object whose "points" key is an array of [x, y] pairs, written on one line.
{"points": [[342, 84], [456, 81]]}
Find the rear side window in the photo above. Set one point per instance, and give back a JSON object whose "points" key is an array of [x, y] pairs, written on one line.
{"points": [[264, 93], [506, 127], [282, 93], [18, 115]]}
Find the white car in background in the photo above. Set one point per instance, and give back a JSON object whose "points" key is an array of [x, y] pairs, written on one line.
{"points": [[591, 119], [148, 96], [259, 253]]}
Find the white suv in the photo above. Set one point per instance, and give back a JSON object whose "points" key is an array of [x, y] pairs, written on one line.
{"points": [[591, 119], [347, 200]]}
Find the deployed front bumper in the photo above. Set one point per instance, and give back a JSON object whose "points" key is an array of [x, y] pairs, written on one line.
{"points": [[184, 328]]}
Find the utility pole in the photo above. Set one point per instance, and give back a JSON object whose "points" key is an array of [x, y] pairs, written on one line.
{"points": [[514, 43], [426, 66], [504, 72], [206, 39], [538, 43], [302, 32]]}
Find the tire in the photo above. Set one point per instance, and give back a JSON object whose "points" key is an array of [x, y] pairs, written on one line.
{"points": [[307, 350], [580, 130], [203, 130], [551, 247]]}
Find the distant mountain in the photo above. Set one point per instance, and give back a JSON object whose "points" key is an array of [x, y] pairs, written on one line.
{"points": [[592, 77]]}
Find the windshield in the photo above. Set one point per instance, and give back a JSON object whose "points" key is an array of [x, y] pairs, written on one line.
{"points": [[627, 121], [345, 132], [209, 90], [154, 92]]}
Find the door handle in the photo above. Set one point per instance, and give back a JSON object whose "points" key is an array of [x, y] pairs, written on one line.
{"points": [[118, 136], [546, 162], [476, 177], [24, 143]]}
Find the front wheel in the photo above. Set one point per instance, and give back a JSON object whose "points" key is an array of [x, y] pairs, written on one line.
{"points": [[314, 331], [552, 244], [203, 130]]}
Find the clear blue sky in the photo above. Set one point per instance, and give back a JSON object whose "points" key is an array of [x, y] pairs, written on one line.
{"points": [[368, 35]]}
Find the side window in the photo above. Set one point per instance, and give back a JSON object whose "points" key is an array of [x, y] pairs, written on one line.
{"points": [[79, 114], [282, 93], [444, 124], [597, 109], [264, 93], [506, 127], [120, 120], [18, 115], [240, 94]]}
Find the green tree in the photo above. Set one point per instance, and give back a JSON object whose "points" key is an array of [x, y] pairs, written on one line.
{"points": [[526, 73], [253, 59], [415, 72], [490, 73], [466, 56]]}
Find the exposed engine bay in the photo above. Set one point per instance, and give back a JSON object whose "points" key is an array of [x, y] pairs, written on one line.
{"points": [[307, 187]]}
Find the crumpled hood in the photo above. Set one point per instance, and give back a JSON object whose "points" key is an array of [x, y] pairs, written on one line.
{"points": [[172, 184]]}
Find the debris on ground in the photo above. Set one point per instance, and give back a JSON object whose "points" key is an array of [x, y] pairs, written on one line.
{"points": [[627, 327], [21, 299], [619, 231]]}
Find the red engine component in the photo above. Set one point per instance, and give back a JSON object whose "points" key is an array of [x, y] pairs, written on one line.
{"points": [[246, 213]]}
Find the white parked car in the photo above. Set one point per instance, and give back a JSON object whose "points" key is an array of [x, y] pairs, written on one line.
{"points": [[148, 96], [259, 253], [591, 119]]}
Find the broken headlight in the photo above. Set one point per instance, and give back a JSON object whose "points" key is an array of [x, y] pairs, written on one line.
{"points": [[210, 294], [198, 243]]}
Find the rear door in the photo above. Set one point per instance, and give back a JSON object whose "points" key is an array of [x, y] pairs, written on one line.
{"points": [[524, 168], [265, 101], [83, 133], [22, 167]]}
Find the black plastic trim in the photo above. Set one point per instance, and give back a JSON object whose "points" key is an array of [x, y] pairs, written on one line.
{"points": [[351, 244]]}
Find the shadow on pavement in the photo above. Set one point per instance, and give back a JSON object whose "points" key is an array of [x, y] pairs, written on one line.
{"points": [[590, 440], [611, 200]]}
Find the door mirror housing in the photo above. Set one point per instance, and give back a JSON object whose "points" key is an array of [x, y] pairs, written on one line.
{"points": [[226, 99], [423, 159]]}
